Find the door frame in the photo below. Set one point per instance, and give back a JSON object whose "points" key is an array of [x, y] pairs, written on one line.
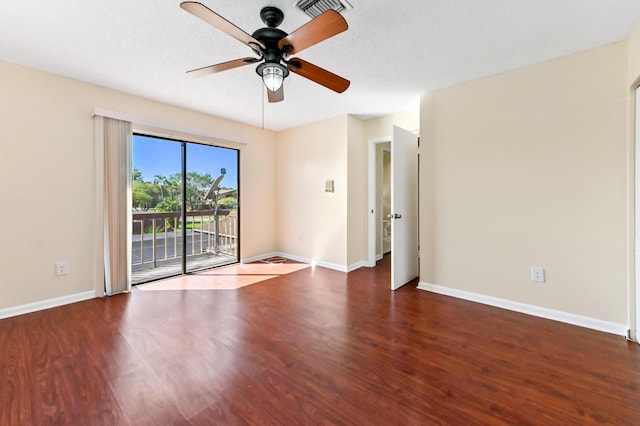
{"points": [[635, 326]]}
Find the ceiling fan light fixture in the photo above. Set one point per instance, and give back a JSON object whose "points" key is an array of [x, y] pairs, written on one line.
{"points": [[272, 77], [273, 74]]}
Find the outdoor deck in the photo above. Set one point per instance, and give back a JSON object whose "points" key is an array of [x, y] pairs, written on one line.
{"points": [[174, 267], [211, 241]]}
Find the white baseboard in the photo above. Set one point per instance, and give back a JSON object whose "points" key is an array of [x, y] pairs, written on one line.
{"points": [[46, 304], [327, 265], [579, 320], [357, 265]]}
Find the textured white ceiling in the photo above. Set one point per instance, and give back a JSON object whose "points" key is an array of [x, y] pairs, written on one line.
{"points": [[393, 51]]}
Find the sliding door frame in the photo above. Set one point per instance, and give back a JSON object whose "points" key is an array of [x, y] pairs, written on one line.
{"points": [[184, 208]]}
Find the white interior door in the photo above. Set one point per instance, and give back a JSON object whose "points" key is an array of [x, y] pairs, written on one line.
{"points": [[404, 207]]}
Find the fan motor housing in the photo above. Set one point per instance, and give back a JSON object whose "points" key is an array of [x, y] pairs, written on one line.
{"points": [[270, 38]]}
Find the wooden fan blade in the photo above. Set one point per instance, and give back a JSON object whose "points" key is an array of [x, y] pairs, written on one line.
{"points": [[276, 96], [212, 69], [319, 75], [319, 29], [209, 16]]}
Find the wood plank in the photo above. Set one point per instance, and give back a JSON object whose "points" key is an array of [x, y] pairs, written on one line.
{"points": [[313, 346]]}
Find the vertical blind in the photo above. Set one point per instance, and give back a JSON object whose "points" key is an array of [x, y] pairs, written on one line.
{"points": [[117, 205]]}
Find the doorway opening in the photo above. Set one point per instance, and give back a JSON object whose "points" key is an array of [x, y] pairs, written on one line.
{"points": [[185, 207], [379, 193], [384, 188]]}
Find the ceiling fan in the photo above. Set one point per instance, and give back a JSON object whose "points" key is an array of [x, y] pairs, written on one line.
{"points": [[274, 46]]}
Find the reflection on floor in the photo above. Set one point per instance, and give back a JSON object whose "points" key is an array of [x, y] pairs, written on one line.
{"points": [[225, 278]]}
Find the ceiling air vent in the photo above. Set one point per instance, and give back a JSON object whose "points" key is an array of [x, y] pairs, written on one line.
{"points": [[313, 8]]}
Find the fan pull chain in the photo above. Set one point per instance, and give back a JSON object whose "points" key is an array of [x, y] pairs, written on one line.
{"points": [[262, 91]]}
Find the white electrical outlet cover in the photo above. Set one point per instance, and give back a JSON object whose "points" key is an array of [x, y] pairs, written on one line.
{"points": [[537, 274]]}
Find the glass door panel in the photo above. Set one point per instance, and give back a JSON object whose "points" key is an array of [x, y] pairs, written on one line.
{"points": [[156, 199], [212, 206]]}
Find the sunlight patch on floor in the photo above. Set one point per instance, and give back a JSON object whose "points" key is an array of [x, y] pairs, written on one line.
{"points": [[225, 278]]}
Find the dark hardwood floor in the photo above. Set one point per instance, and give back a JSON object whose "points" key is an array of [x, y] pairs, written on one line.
{"points": [[311, 347]]}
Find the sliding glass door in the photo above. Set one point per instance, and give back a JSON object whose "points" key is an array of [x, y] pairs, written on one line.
{"points": [[211, 206], [185, 201]]}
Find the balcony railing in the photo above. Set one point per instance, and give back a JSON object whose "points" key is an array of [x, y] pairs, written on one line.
{"points": [[157, 237]]}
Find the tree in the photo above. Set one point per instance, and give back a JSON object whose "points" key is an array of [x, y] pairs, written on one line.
{"points": [[137, 175], [161, 182], [165, 193], [168, 205], [145, 195], [170, 192], [197, 187]]}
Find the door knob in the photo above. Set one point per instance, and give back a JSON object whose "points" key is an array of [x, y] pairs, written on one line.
{"points": [[394, 216]]}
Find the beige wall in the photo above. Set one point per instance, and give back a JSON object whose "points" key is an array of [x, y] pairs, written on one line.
{"points": [[47, 180], [311, 223], [528, 168], [357, 193]]}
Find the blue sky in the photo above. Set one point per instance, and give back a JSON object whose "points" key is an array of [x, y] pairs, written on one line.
{"points": [[156, 156]]}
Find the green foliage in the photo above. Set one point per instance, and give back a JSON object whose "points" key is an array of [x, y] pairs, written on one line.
{"points": [[197, 187], [168, 205], [145, 195], [164, 193], [228, 203], [172, 186]]}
